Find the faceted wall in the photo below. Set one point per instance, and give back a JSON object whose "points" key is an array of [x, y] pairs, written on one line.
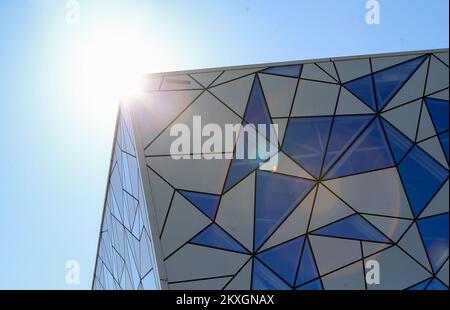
{"points": [[362, 175], [125, 254]]}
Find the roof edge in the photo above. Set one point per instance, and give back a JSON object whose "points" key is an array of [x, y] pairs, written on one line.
{"points": [[294, 62]]}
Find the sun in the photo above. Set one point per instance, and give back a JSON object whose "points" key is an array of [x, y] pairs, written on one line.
{"points": [[110, 63]]}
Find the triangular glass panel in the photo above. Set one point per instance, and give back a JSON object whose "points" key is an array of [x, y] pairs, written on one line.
{"points": [[369, 152], [276, 196], [345, 130], [264, 279], [422, 177], [215, 236], [239, 169], [436, 285], [305, 141], [390, 80], [290, 71], [128, 145], [149, 282], [443, 137], [363, 89], [399, 143], [439, 113], [434, 232], [315, 285], [284, 258], [420, 286], [307, 270], [353, 227], [145, 250], [256, 114], [206, 203]]}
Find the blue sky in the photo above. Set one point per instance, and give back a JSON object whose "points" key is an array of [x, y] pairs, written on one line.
{"points": [[55, 152]]}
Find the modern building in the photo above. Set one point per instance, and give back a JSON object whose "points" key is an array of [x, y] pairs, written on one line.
{"points": [[360, 189]]}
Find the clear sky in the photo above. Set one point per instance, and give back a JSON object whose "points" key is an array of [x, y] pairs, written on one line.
{"points": [[57, 115]]}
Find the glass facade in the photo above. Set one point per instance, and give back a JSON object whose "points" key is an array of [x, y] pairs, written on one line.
{"points": [[362, 175], [126, 258]]}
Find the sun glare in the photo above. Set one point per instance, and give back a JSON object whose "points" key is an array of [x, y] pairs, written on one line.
{"points": [[110, 64]]}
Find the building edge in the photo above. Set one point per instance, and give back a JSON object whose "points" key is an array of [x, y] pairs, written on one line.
{"points": [[295, 62], [148, 196], [113, 143]]}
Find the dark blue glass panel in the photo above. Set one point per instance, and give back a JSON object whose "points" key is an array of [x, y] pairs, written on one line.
{"points": [[354, 227], [434, 232], [420, 286], [439, 113], [291, 71], [345, 130], [311, 286], [256, 112], [215, 236], [307, 270], [436, 285], [305, 141], [369, 152], [284, 259], [239, 169], [390, 80], [264, 279], [206, 203], [422, 176], [363, 89], [276, 196], [443, 137], [399, 143]]}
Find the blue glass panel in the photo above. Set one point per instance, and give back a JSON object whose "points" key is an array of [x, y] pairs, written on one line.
{"points": [[399, 143], [127, 145], [434, 231], [284, 259], [305, 141], [311, 286], [363, 89], [256, 112], [215, 236], [443, 137], [264, 279], [345, 130], [369, 152], [291, 71], [206, 203], [390, 80], [307, 270], [436, 285], [276, 196], [146, 248], [354, 227], [239, 169], [149, 281], [422, 176], [439, 113], [420, 286]]}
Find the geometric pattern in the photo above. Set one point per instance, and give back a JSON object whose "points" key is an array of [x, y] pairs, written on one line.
{"points": [[126, 258], [363, 174]]}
